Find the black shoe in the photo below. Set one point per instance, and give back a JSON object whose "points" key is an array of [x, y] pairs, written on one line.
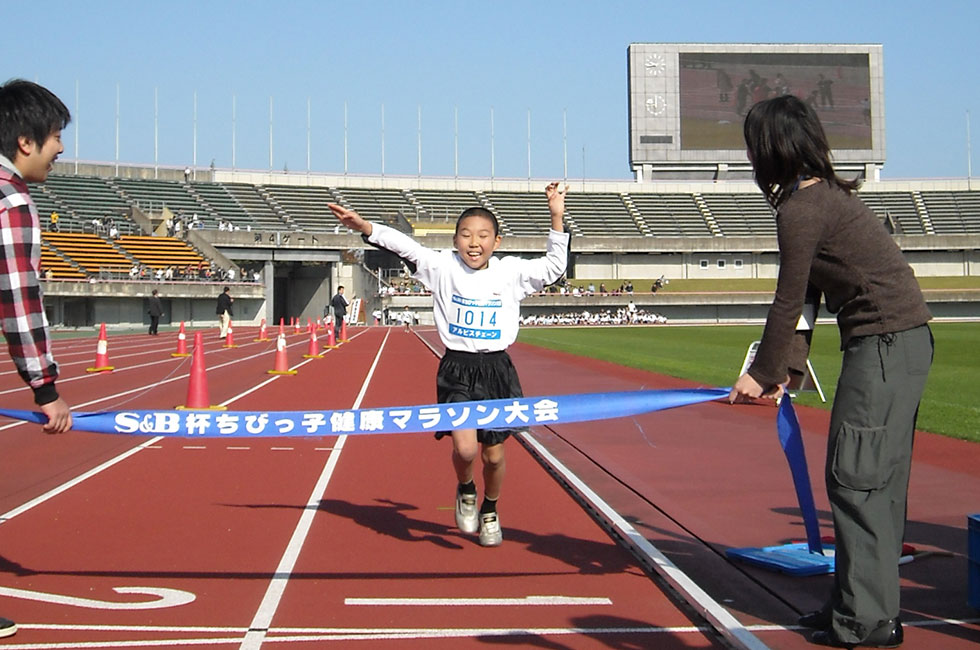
{"points": [[887, 635], [817, 620]]}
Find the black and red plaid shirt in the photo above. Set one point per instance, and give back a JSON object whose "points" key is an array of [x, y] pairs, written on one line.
{"points": [[21, 311]]}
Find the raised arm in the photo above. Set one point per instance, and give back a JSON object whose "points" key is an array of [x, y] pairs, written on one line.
{"points": [[351, 219], [556, 204]]}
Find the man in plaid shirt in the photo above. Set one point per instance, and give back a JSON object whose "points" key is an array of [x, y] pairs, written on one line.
{"points": [[31, 120]]}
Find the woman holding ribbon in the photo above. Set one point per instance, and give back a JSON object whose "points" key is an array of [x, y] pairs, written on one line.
{"points": [[830, 243]]}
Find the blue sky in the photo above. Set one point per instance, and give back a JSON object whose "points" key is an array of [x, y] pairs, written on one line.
{"points": [[448, 59]]}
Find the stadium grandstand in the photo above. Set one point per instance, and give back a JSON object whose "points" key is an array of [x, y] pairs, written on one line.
{"points": [[275, 228]]}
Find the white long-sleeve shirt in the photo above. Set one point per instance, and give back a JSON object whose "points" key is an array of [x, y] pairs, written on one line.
{"points": [[476, 310]]}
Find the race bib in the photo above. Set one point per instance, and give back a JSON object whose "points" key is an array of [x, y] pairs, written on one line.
{"points": [[475, 319]]}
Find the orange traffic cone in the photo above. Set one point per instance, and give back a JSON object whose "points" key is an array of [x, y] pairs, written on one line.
{"points": [[101, 354], [229, 338], [343, 332], [181, 343], [313, 351], [282, 327], [263, 334], [281, 366], [309, 324], [197, 386], [296, 325], [331, 339]]}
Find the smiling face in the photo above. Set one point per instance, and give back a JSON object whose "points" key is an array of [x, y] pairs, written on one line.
{"points": [[34, 161], [475, 241]]}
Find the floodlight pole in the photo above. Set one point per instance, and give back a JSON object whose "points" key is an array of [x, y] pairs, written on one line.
{"points": [[117, 129], [76, 125], [194, 147], [156, 133], [234, 113], [491, 146], [969, 155], [564, 143], [529, 149]]}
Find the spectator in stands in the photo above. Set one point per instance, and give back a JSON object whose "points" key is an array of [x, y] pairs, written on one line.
{"points": [[30, 142], [224, 311], [831, 243], [339, 304], [476, 308], [155, 311], [55, 227]]}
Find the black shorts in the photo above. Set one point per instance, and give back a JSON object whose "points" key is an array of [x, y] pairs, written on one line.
{"points": [[477, 376]]}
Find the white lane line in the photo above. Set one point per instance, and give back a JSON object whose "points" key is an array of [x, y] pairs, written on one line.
{"points": [[262, 620], [723, 621], [50, 494], [450, 602]]}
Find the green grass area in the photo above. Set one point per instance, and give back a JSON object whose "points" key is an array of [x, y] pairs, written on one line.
{"points": [[713, 355], [729, 285]]}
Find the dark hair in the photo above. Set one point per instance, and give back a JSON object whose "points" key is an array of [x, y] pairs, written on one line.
{"points": [[28, 110], [479, 212], [786, 142]]}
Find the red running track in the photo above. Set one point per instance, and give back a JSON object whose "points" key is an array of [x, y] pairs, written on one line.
{"points": [[112, 541]]}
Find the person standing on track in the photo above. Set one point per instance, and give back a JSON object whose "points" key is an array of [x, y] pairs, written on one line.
{"points": [[31, 120], [224, 312], [830, 243], [339, 305], [155, 311], [476, 308]]}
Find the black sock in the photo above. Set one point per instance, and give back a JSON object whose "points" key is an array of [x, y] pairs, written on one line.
{"points": [[489, 505], [467, 488]]}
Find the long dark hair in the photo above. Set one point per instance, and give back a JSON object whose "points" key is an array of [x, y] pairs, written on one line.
{"points": [[786, 142]]}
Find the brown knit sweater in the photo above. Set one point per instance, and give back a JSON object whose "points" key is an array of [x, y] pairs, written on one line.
{"points": [[831, 242]]}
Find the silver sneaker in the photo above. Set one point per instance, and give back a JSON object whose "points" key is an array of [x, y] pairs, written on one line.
{"points": [[490, 534], [7, 627], [466, 514]]}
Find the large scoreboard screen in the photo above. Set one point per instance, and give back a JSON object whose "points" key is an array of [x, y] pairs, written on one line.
{"points": [[688, 101]]}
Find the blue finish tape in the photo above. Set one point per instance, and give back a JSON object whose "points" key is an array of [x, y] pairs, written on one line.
{"points": [[491, 414]]}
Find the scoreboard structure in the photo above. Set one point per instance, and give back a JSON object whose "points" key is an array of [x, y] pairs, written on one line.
{"points": [[687, 102]]}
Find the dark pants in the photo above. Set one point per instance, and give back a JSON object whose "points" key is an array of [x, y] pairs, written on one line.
{"points": [[154, 324], [338, 321], [869, 457]]}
